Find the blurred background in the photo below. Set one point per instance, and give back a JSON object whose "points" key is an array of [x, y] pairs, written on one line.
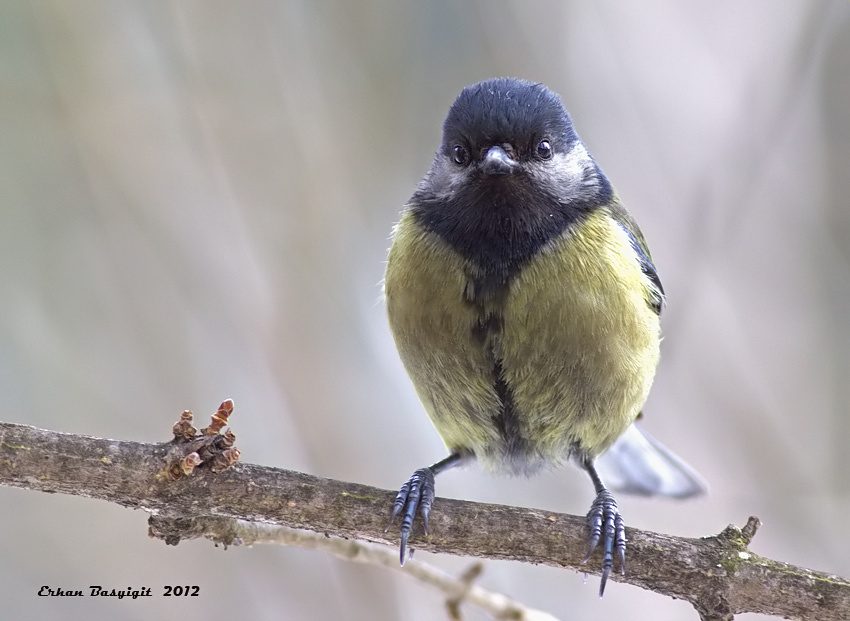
{"points": [[195, 204]]}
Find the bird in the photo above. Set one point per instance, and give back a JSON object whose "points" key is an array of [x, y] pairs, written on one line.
{"points": [[525, 305]]}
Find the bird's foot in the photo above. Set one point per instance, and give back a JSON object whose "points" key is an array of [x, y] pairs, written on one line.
{"points": [[416, 494], [606, 525]]}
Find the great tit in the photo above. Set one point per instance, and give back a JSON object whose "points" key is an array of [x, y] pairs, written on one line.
{"points": [[525, 307]]}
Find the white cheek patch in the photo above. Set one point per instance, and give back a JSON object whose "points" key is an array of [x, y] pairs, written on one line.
{"points": [[575, 172], [575, 161]]}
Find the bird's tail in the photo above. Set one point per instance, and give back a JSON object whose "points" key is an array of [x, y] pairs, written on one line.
{"points": [[638, 464]]}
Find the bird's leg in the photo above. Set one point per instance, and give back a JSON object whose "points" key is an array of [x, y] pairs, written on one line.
{"points": [[418, 494], [606, 525]]}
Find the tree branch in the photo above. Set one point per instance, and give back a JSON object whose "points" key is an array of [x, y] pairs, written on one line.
{"points": [[458, 590], [718, 575]]}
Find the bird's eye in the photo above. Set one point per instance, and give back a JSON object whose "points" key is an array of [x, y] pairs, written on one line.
{"points": [[544, 150], [460, 155]]}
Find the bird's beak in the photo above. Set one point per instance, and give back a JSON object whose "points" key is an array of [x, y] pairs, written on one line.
{"points": [[498, 162]]}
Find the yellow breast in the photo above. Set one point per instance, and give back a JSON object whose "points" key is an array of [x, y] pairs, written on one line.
{"points": [[577, 343]]}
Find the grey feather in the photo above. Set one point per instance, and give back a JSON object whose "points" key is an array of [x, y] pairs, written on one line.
{"points": [[638, 464]]}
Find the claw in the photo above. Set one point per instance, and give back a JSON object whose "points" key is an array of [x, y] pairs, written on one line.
{"points": [[605, 524], [416, 494]]}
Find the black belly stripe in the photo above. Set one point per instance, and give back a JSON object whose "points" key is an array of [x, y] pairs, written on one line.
{"points": [[489, 325], [499, 224], [507, 420]]}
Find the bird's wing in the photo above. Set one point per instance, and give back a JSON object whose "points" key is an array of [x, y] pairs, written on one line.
{"points": [[655, 295]]}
